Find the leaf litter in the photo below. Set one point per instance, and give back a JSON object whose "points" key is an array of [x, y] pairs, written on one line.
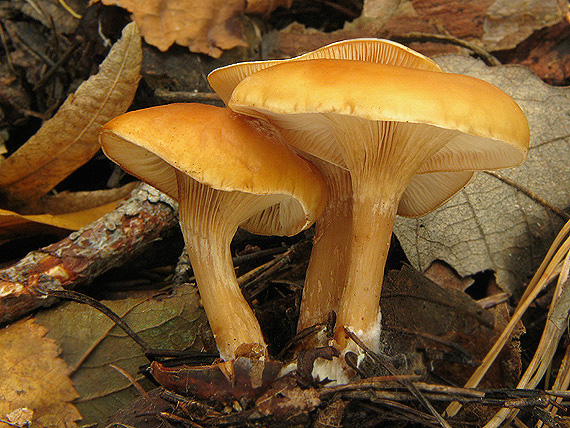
{"points": [[64, 143], [550, 224]]}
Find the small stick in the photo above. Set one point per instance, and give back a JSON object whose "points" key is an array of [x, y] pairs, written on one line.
{"points": [[408, 384], [442, 38], [530, 194], [57, 65], [82, 298], [147, 216], [186, 96]]}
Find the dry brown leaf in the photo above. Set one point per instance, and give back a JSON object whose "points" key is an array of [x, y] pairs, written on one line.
{"points": [[90, 342], [34, 377], [69, 139], [205, 27], [69, 202]]}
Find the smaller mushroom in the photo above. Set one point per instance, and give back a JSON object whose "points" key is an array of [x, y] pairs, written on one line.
{"points": [[225, 170]]}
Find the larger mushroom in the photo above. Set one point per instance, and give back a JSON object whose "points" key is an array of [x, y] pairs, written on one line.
{"points": [[325, 278], [410, 139], [225, 170]]}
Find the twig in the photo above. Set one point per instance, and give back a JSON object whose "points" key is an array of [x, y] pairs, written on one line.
{"points": [[38, 54], [408, 384], [147, 216], [530, 194], [442, 38], [186, 96], [237, 260], [82, 298], [133, 382], [57, 65], [258, 274]]}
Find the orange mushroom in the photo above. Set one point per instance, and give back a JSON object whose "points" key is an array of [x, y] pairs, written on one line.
{"points": [[225, 170]]}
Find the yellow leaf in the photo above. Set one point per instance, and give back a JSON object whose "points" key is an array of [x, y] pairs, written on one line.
{"points": [[14, 225], [69, 139], [63, 214], [34, 377]]}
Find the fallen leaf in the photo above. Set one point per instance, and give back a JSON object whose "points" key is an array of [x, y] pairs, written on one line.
{"points": [[441, 330], [69, 139], [494, 25], [34, 377], [490, 224], [205, 27], [90, 342], [69, 202], [15, 226]]}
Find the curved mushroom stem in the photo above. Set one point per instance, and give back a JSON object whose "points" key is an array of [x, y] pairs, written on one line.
{"points": [[231, 319], [209, 220], [325, 277]]}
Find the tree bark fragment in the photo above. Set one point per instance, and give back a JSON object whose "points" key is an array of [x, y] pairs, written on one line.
{"points": [[146, 217]]}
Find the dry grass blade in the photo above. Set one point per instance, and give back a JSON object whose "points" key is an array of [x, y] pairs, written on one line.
{"points": [[557, 316], [69, 139]]}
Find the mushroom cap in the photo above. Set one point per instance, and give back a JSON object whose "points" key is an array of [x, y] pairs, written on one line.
{"points": [[224, 79], [223, 150], [491, 129]]}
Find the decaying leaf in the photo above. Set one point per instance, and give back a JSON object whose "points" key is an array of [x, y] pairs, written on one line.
{"points": [[34, 377], [491, 224], [205, 27], [90, 343], [69, 139], [441, 330]]}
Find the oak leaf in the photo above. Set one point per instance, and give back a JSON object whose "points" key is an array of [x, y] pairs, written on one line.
{"points": [[69, 139], [503, 223], [34, 377]]}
